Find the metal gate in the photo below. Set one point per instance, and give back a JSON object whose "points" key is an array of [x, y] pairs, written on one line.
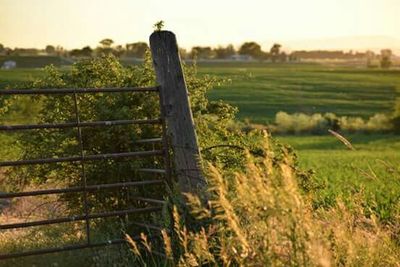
{"points": [[152, 205], [178, 141]]}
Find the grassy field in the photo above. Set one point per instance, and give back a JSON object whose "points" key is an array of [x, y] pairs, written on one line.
{"points": [[262, 90], [18, 76], [340, 172], [366, 179], [35, 61]]}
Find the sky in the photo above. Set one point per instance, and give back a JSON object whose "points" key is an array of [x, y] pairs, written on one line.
{"points": [[296, 23]]}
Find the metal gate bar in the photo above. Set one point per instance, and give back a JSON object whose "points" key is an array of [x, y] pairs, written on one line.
{"points": [[80, 158], [79, 218], [68, 248], [78, 189], [76, 124], [52, 91]]}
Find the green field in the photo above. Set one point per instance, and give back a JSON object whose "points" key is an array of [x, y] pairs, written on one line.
{"points": [[36, 61], [371, 169], [18, 76], [261, 90]]}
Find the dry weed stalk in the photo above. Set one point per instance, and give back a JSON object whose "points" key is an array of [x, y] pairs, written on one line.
{"points": [[260, 218]]}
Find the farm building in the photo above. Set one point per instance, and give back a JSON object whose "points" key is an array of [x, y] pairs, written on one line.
{"points": [[241, 57], [10, 64]]}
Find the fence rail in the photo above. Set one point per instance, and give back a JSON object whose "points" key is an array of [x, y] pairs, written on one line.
{"points": [[55, 91], [79, 218], [82, 158], [77, 124], [78, 189], [67, 248]]}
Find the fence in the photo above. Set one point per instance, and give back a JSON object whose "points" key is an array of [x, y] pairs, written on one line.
{"points": [[179, 149]]}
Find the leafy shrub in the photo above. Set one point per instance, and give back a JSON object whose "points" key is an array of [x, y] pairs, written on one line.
{"points": [[318, 123], [377, 123], [396, 116], [299, 122], [213, 122]]}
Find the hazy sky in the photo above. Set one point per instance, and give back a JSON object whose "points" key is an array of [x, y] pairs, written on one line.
{"points": [[76, 23]]}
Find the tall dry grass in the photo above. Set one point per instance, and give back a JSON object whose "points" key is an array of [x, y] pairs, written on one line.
{"points": [[260, 217]]}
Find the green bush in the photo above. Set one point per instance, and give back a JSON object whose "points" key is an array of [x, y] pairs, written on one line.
{"points": [[396, 116], [221, 139], [320, 123], [217, 133]]}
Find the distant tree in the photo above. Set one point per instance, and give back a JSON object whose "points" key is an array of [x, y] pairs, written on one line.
{"points": [[50, 49], [224, 52], [386, 58], [137, 49], [25, 52], [75, 53], [106, 43], [183, 53], [87, 51], [252, 49], [118, 50], [275, 52], [370, 56], [105, 47], [84, 52], [8, 51], [283, 57], [396, 116], [60, 51], [202, 52], [2, 48]]}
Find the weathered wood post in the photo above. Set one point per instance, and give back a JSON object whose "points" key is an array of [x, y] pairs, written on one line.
{"points": [[176, 109]]}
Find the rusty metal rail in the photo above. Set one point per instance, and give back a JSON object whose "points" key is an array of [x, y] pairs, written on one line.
{"points": [[82, 158], [79, 218], [77, 124], [77, 189], [55, 91], [61, 249], [70, 247]]}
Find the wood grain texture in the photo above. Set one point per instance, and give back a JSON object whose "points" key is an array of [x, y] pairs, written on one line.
{"points": [[178, 115]]}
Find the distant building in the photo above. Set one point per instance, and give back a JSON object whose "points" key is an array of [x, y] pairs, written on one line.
{"points": [[9, 64], [241, 57]]}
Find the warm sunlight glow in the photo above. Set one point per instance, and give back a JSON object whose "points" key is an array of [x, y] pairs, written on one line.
{"points": [[297, 24]]}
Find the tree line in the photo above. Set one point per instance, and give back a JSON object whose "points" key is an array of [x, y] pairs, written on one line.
{"points": [[246, 51], [105, 47]]}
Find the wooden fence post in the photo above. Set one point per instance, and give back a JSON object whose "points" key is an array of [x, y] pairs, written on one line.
{"points": [[176, 109]]}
